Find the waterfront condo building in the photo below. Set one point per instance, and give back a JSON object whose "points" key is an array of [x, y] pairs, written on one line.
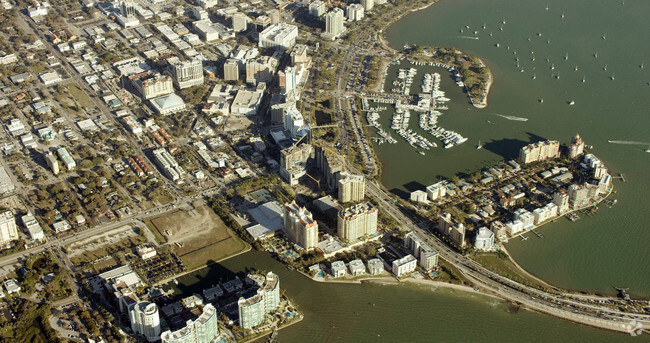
{"points": [[525, 217], [334, 22], [300, 226], [354, 12], [186, 74], [437, 190], [484, 239], [404, 265], [293, 162], [266, 300], [545, 213], [456, 231], [578, 196], [330, 164], [352, 188], [427, 257], [499, 229], [8, 230], [367, 4], [204, 329], [539, 151], [419, 196], [145, 320], [561, 199], [280, 35], [356, 222], [577, 147]]}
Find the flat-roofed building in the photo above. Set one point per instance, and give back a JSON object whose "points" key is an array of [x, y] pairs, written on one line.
{"points": [[356, 222], [484, 240], [427, 256], [187, 74], [33, 227], [145, 320], [205, 329], [252, 311], [239, 22], [316, 8], [152, 85], [52, 163], [300, 226], [404, 265], [8, 228], [293, 162], [330, 164], [231, 70], [246, 102], [260, 69], [375, 266], [65, 157], [334, 22], [352, 188], [539, 151], [354, 12], [280, 35]]}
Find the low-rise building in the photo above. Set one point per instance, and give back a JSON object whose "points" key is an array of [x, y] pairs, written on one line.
{"points": [[246, 102], [68, 161], [168, 164], [33, 227], [145, 252], [338, 269], [375, 266], [404, 265], [8, 228], [12, 286], [356, 267]]}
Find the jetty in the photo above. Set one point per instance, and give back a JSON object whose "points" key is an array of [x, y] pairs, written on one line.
{"points": [[537, 233]]}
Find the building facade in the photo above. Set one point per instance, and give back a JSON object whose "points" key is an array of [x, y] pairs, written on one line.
{"points": [[300, 226], [352, 188], [577, 147], [484, 240], [267, 300], [280, 35], [404, 265], [187, 74], [427, 257], [334, 22], [231, 70], [356, 222], [354, 12], [8, 229], [293, 162], [145, 320], [204, 329], [539, 151]]}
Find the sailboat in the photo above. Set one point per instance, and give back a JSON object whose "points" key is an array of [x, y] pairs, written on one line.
{"points": [[648, 149], [546, 7], [552, 66], [566, 57], [641, 66], [604, 36], [479, 146], [605, 67], [534, 76], [612, 77], [576, 69], [596, 54], [562, 15], [558, 75], [583, 79]]}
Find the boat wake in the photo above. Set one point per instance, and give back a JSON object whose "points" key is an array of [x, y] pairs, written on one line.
{"points": [[628, 142], [467, 37], [510, 117]]}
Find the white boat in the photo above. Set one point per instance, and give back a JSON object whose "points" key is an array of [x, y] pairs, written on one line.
{"points": [[648, 149], [421, 152], [479, 146], [571, 103]]}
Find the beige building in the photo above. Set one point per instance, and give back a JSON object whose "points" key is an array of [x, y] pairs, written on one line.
{"points": [[52, 163], [334, 22], [260, 69], [300, 226], [299, 54], [231, 70], [456, 231], [577, 147], [239, 22], [539, 151], [293, 162], [330, 164], [152, 86], [352, 188], [8, 230], [356, 222]]}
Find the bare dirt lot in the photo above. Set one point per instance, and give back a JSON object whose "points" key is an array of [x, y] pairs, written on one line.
{"points": [[198, 235]]}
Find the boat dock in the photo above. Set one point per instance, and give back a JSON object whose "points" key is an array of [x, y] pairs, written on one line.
{"points": [[620, 176], [537, 233], [573, 217]]}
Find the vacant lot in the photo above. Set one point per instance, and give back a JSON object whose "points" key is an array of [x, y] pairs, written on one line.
{"points": [[198, 236]]}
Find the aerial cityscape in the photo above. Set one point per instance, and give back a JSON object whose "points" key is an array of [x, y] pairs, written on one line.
{"points": [[212, 171]]}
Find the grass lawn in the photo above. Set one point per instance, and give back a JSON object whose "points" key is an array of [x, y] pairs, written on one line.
{"points": [[506, 268], [448, 273], [82, 98]]}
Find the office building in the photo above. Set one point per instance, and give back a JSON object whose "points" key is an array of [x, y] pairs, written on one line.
{"points": [[239, 22], [152, 85], [205, 329], [8, 229], [280, 35], [404, 265], [145, 320], [539, 151], [65, 157], [293, 162], [334, 22], [187, 74], [317, 8], [266, 300], [354, 12], [127, 9], [231, 70], [356, 222], [352, 188], [300, 226], [577, 147], [427, 257], [52, 163], [330, 164], [367, 4], [484, 239]]}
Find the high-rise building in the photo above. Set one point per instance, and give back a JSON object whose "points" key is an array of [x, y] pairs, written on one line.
{"points": [[239, 22], [145, 320], [52, 163], [288, 79], [354, 12], [187, 74], [484, 239], [293, 122], [578, 196], [367, 4], [427, 257], [561, 199], [577, 147], [299, 54], [456, 231], [204, 329], [260, 69], [330, 164], [8, 230], [266, 300], [499, 229], [300, 226], [352, 188], [127, 9], [293, 162], [334, 22], [539, 151], [317, 8], [356, 222], [275, 16], [152, 85], [231, 70], [404, 265], [437, 190]]}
